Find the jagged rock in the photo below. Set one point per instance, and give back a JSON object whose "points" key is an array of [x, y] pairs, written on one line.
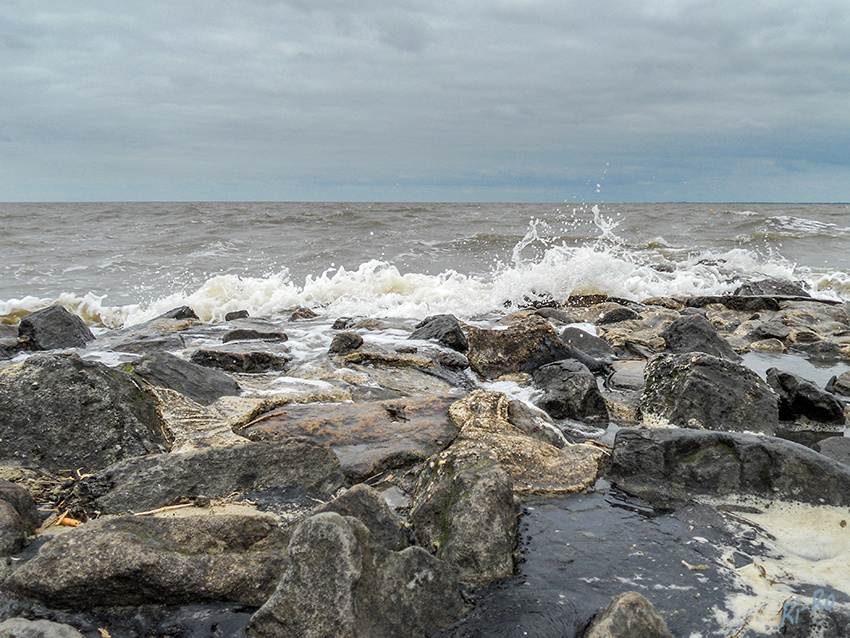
{"points": [[705, 392], [180, 313], [617, 315], [771, 287], [53, 327], [571, 392], [196, 382], [695, 333], [800, 397], [158, 480], [443, 328], [136, 560], [672, 464], [629, 615], [23, 628], [240, 359], [370, 508], [367, 437], [586, 342], [835, 447], [536, 423], [345, 342], [63, 413], [338, 582], [463, 510], [19, 517], [248, 334]]}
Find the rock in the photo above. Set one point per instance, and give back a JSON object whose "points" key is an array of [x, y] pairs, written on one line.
{"points": [[179, 314], [586, 342], [535, 423], [196, 382], [338, 582], [705, 392], [671, 465], [628, 375], [236, 314], [553, 314], [138, 560], [523, 347], [841, 385], [535, 467], [835, 447], [149, 343], [302, 313], [800, 397], [159, 480], [819, 350], [769, 330], [19, 517], [342, 323], [345, 342], [369, 507], [828, 620], [768, 345], [617, 315], [570, 392], [629, 615], [443, 328], [369, 437], [248, 334], [464, 512], [53, 327], [241, 359], [23, 628], [695, 333], [63, 413], [771, 287]]}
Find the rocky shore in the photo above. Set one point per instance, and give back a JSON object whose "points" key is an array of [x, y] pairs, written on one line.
{"points": [[359, 477]]}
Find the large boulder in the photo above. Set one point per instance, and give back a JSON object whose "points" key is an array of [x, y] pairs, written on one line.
{"points": [[159, 480], [137, 560], [705, 392], [338, 582], [799, 397], [463, 511], [675, 464], [570, 392], [196, 382], [23, 628], [443, 328], [695, 333], [629, 615], [53, 327], [62, 413], [19, 517]]}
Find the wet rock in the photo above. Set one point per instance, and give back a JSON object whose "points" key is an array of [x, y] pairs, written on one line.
{"points": [[617, 315], [767, 345], [463, 510], [772, 287], [369, 507], [628, 375], [368, 437], [53, 327], [535, 423], [769, 330], [181, 313], [23, 628], [522, 347], [241, 358], [443, 328], [800, 397], [819, 350], [63, 413], [554, 314], [236, 314], [670, 465], [302, 313], [345, 342], [136, 560], [159, 480], [629, 615], [571, 392], [733, 302], [842, 384], [705, 392], [248, 334], [695, 333], [339, 582], [342, 323], [195, 381], [586, 342], [835, 447], [19, 517], [149, 343], [820, 623]]}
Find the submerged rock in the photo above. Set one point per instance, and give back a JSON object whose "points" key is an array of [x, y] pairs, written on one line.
{"points": [[53, 327], [629, 615]]}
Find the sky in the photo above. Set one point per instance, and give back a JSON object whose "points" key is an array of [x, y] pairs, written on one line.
{"points": [[415, 100]]}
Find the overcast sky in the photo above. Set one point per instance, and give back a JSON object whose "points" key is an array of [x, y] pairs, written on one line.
{"points": [[461, 100]]}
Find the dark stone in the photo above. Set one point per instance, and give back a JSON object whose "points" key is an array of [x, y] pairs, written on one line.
{"points": [[586, 342], [771, 287], [444, 329], [342, 323], [617, 315], [732, 302], [667, 465], [835, 447], [370, 508], [179, 314], [555, 315], [196, 382], [63, 413], [159, 480], [345, 342], [820, 623], [236, 314], [249, 361], [245, 334], [463, 511], [141, 344], [819, 350], [701, 391], [338, 582], [302, 313], [841, 385], [571, 392], [695, 333], [19, 517], [769, 330], [800, 397], [53, 327], [137, 560], [629, 615]]}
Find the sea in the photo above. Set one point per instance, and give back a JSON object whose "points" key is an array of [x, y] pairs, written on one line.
{"points": [[710, 572]]}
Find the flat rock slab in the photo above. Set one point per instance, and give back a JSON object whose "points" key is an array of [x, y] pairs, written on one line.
{"points": [[197, 382], [367, 437]]}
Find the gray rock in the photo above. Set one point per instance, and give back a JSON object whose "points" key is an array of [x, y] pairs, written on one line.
{"points": [[19, 517], [241, 359], [617, 315], [158, 480], [835, 447], [842, 384], [771, 287], [463, 510], [554, 314], [669, 465], [535, 423], [571, 392], [63, 413], [586, 342], [705, 392], [769, 330], [443, 328], [23, 628], [194, 381], [345, 342], [145, 343], [137, 560], [629, 615], [338, 582], [800, 397], [695, 333], [369, 507], [54, 327], [247, 334], [821, 623], [236, 314]]}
